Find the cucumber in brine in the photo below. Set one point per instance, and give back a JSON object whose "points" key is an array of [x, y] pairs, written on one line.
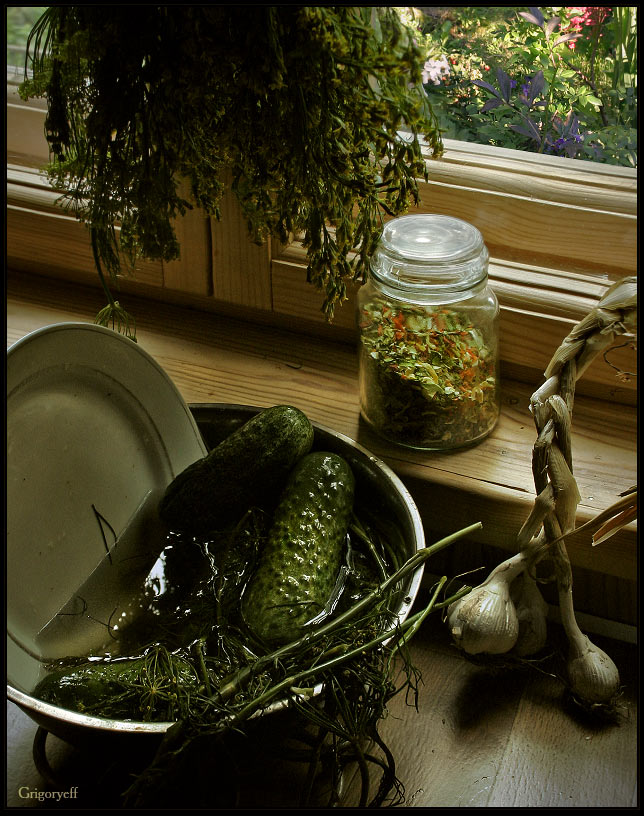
{"points": [[155, 686], [249, 467], [298, 569]]}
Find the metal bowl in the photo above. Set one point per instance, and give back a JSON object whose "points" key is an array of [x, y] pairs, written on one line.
{"points": [[377, 488]]}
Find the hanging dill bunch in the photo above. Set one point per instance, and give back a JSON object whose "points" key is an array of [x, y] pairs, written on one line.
{"points": [[301, 106]]}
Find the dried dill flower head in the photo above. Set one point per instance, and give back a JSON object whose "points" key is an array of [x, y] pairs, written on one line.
{"points": [[300, 105]]}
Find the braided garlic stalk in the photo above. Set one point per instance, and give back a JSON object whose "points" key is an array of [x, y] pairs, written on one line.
{"points": [[506, 613]]}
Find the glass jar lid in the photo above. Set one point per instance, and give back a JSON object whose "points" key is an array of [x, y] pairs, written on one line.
{"points": [[430, 253]]}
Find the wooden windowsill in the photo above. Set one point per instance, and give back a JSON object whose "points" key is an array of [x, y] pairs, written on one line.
{"points": [[214, 358]]}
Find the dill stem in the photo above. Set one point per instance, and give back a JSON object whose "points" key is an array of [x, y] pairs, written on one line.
{"points": [[464, 590], [364, 775], [285, 685], [416, 620], [388, 766], [243, 676], [358, 529], [198, 647], [313, 765], [99, 268]]}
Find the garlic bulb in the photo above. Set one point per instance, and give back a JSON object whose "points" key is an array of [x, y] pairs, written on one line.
{"points": [[593, 676], [485, 621], [531, 612]]}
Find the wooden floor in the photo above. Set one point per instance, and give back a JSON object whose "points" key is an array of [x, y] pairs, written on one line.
{"points": [[481, 737]]}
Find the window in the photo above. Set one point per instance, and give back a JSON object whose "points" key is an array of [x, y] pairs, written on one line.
{"points": [[558, 80], [20, 20]]}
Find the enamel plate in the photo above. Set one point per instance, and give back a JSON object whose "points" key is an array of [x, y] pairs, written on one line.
{"points": [[94, 426]]}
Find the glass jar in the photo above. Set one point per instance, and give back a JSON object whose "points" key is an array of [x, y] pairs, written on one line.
{"points": [[428, 322]]}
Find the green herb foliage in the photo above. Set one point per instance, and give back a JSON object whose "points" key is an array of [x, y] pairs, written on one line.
{"points": [[300, 106]]}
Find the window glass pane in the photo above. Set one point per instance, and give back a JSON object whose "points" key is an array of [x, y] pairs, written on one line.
{"points": [[551, 80], [20, 20]]}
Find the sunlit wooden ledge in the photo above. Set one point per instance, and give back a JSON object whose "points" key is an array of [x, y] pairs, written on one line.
{"points": [[216, 358]]}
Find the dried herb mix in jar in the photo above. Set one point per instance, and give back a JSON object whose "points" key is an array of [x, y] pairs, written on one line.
{"points": [[428, 335]]}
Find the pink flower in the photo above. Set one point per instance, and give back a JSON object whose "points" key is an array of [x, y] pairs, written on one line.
{"points": [[588, 16], [585, 16]]}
